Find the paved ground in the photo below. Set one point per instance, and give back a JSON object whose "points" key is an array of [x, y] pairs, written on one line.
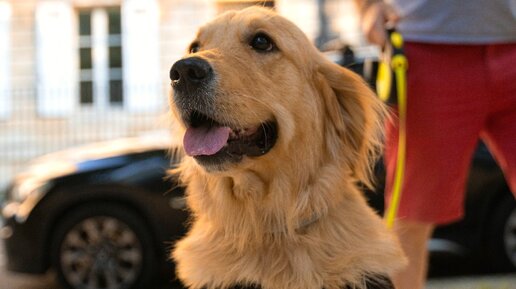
{"points": [[483, 282], [20, 281], [9, 280]]}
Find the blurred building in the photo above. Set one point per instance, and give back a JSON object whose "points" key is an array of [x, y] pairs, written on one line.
{"points": [[76, 71]]}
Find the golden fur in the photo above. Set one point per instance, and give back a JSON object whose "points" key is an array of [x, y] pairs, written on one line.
{"points": [[293, 218]]}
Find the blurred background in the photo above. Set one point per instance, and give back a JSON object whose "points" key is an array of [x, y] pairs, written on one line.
{"points": [[77, 72]]}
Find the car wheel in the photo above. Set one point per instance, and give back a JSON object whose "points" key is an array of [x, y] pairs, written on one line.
{"points": [[103, 246], [502, 238]]}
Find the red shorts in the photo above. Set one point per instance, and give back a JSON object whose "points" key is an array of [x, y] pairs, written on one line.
{"points": [[456, 95]]}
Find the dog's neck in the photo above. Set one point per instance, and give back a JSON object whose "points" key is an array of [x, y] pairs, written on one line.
{"points": [[266, 203], [246, 215]]}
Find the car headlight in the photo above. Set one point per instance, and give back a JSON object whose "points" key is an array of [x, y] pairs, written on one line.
{"points": [[22, 190], [23, 197]]}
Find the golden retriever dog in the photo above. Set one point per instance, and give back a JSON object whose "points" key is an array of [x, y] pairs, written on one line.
{"points": [[278, 142]]}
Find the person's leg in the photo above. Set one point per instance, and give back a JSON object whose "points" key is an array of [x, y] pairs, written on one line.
{"points": [[413, 237], [446, 111], [500, 129]]}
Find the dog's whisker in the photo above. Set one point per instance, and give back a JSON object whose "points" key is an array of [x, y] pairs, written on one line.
{"points": [[265, 133]]}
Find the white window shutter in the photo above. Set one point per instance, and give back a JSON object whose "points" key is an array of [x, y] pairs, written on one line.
{"points": [[5, 64], [56, 70], [140, 45], [99, 19]]}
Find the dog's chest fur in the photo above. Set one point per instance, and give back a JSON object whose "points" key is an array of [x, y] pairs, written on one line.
{"points": [[342, 247], [217, 264], [374, 282]]}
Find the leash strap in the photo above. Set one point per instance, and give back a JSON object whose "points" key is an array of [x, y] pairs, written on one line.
{"points": [[395, 67]]}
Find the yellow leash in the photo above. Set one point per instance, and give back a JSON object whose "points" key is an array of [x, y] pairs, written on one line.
{"points": [[397, 67]]}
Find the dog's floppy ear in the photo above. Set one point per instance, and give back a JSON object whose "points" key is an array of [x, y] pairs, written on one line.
{"points": [[355, 117]]}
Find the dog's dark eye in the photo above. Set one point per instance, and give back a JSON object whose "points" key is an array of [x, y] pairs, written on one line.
{"points": [[194, 47], [262, 43]]}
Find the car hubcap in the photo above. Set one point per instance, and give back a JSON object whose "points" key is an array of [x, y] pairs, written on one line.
{"points": [[510, 237], [101, 252]]}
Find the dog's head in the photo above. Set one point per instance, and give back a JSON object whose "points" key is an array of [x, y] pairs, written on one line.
{"points": [[253, 87]]}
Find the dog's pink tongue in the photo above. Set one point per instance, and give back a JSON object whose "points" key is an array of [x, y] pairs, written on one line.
{"points": [[205, 141]]}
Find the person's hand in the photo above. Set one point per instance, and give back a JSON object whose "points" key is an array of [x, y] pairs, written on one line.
{"points": [[375, 17]]}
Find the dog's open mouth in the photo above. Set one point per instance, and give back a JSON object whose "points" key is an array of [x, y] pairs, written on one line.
{"points": [[212, 142]]}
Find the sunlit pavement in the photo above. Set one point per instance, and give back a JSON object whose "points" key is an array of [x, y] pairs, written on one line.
{"points": [[482, 282], [9, 280], [22, 281]]}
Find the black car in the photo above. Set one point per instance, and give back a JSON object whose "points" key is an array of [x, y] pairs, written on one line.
{"points": [[107, 215], [101, 216]]}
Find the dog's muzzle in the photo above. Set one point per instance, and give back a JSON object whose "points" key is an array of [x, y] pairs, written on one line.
{"points": [[208, 138]]}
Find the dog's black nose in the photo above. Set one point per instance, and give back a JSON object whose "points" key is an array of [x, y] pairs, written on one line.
{"points": [[190, 72]]}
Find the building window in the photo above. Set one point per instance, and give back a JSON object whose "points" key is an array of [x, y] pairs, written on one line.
{"points": [[100, 57]]}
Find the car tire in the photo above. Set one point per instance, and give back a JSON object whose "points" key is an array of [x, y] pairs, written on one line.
{"points": [[103, 246], [501, 239]]}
